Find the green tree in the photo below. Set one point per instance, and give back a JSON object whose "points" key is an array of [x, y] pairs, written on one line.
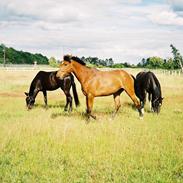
{"points": [[177, 57], [3, 54], [142, 63], [169, 63], [19, 57], [118, 65], [109, 62], [53, 62]]}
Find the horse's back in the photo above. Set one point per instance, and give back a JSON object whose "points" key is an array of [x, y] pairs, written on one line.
{"points": [[146, 81], [112, 80], [46, 80], [115, 73]]}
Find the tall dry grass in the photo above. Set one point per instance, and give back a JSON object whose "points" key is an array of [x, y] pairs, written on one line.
{"points": [[53, 146]]}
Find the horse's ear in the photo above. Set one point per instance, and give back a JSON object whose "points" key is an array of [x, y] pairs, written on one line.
{"points": [[26, 94]]}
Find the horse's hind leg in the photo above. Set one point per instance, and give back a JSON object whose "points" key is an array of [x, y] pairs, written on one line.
{"points": [[117, 102], [45, 97]]}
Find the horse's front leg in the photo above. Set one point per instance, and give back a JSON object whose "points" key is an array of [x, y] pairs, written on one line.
{"points": [[150, 101], [68, 101], [142, 102], [89, 104]]}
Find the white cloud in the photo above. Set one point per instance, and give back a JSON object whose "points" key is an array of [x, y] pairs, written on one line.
{"points": [[166, 17], [124, 30]]}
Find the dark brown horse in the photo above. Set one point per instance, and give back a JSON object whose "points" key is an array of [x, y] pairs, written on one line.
{"points": [[96, 83], [147, 82], [47, 81]]}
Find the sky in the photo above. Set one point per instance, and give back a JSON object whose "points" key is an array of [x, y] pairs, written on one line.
{"points": [[126, 31]]}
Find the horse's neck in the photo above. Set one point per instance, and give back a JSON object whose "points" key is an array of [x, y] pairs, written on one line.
{"points": [[156, 93], [156, 89], [33, 91], [81, 72]]}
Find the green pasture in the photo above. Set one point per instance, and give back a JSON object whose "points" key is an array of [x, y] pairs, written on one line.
{"points": [[49, 145]]}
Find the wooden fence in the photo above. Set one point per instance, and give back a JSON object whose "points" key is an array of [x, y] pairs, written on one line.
{"points": [[27, 67]]}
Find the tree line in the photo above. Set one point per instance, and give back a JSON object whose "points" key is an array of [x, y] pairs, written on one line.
{"points": [[176, 62], [10, 55]]}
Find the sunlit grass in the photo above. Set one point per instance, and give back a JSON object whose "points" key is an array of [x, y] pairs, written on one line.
{"points": [[54, 146]]}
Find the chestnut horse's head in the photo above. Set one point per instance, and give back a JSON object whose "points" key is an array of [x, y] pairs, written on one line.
{"points": [[65, 67]]}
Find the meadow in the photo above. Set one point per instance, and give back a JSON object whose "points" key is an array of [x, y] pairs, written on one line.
{"points": [[50, 145]]}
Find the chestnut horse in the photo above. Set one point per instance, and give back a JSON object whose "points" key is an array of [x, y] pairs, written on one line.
{"points": [[96, 83]]}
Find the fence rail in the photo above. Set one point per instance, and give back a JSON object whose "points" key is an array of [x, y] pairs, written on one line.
{"points": [[26, 67]]}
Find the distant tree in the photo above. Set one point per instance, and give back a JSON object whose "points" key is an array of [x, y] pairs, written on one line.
{"points": [[20, 57], [142, 63], [126, 64], [155, 62], [151, 62], [168, 63], [3, 54], [53, 62], [118, 65], [97, 62], [177, 57], [109, 62]]}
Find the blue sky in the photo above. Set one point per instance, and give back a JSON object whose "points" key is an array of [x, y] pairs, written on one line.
{"points": [[127, 31]]}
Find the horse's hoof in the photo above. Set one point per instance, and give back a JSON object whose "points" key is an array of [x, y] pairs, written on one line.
{"points": [[94, 117]]}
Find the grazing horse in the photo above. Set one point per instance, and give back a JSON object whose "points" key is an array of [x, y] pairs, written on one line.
{"points": [[96, 83], [44, 81], [147, 82]]}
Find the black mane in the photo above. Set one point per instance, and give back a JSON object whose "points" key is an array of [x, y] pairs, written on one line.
{"points": [[67, 58], [77, 59]]}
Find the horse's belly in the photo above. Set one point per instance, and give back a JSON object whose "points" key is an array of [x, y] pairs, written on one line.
{"points": [[50, 88], [103, 87], [106, 91]]}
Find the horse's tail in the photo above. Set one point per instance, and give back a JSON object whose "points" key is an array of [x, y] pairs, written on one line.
{"points": [[133, 77], [76, 98]]}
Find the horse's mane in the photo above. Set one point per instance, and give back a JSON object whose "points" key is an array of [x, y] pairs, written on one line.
{"points": [[69, 58]]}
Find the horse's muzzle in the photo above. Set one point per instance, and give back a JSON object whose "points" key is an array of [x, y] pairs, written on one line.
{"points": [[29, 107]]}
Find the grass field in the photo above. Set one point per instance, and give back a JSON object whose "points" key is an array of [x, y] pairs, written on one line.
{"points": [[53, 146]]}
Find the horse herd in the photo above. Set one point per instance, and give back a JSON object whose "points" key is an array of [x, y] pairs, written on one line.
{"points": [[96, 83]]}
